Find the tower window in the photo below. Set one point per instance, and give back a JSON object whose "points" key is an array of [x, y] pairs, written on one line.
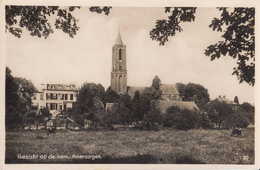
{"points": [[120, 67], [120, 57]]}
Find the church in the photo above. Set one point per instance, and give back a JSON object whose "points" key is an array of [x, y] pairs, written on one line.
{"points": [[170, 93]]}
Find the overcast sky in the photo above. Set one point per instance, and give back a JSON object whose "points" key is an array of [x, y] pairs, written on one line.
{"points": [[88, 56]]}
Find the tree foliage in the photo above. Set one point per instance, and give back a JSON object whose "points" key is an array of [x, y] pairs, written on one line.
{"points": [[124, 110], [165, 28], [218, 112], [153, 92], [88, 103], [236, 100], [181, 88], [227, 115], [181, 119], [110, 96], [99, 10], [36, 19], [25, 90], [18, 93], [137, 106], [239, 41], [194, 92], [238, 36], [249, 111], [12, 115]]}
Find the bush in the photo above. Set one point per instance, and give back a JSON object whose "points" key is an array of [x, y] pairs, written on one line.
{"points": [[236, 119], [182, 119]]}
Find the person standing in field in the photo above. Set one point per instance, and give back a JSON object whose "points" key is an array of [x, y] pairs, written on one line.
{"points": [[51, 126]]}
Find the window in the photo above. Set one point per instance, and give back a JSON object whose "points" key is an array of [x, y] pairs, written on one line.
{"points": [[53, 96], [120, 57], [47, 105], [41, 96], [120, 67], [34, 96], [62, 97], [53, 106], [48, 96], [71, 96], [66, 96]]}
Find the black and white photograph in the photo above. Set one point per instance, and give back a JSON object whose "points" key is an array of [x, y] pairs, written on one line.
{"points": [[104, 84]]}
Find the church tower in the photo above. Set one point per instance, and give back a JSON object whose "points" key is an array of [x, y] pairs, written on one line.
{"points": [[119, 73]]}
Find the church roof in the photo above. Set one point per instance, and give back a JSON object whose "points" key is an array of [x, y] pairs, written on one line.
{"points": [[132, 89], [164, 105], [119, 39], [169, 89], [166, 89]]}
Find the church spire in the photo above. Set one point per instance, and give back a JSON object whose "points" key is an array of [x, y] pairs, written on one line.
{"points": [[119, 39]]}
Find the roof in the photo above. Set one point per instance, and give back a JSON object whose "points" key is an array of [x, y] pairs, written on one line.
{"points": [[132, 89], [164, 105], [225, 100], [61, 87], [169, 89], [166, 89], [119, 39]]}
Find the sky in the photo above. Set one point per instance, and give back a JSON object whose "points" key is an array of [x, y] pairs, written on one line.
{"points": [[88, 56]]}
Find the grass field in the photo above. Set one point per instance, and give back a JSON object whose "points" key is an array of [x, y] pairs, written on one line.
{"points": [[166, 146]]}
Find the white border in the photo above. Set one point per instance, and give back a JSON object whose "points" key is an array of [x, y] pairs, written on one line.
{"points": [[124, 3]]}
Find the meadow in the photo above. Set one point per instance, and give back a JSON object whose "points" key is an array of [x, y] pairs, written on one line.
{"points": [[166, 146]]}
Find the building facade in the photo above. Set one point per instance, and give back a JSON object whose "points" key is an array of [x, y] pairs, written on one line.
{"points": [[55, 97]]}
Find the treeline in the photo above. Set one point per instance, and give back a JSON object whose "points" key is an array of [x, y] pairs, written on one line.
{"points": [[92, 99], [142, 110], [18, 93]]}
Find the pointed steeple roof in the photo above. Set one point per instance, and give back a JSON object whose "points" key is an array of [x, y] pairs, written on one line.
{"points": [[119, 39]]}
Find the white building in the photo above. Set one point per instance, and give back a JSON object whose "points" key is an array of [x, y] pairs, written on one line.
{"points": [[56, 97]]}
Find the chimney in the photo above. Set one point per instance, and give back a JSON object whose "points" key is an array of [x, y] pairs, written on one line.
{"points": [[219, 96], [224, 96]]}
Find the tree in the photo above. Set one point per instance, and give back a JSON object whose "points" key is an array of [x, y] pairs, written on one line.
{"points": [[219, 112], [97, 89], [249, 111], [238, 37], [181, 88], [194, 92], [25, 90], [110, 96], [124, 109], [237, 119], [153, 92], [236, 100], [17, 99], [138, 113], [12, 115], [165, 28], [238, 43], [181, 119], [36, 19], [156, 83], [170, 117], [87, 104], [152, 118]]}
